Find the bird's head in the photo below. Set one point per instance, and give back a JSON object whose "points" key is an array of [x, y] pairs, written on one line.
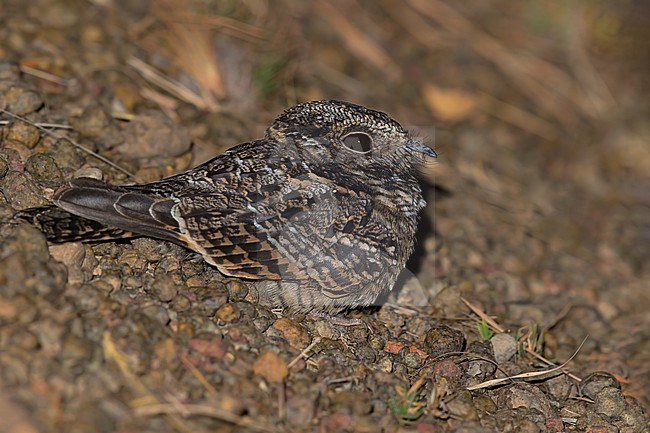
{"points": [[335, 133]]}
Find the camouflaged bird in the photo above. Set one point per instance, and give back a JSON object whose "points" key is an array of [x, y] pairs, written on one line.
{"points": [[323, 209]]}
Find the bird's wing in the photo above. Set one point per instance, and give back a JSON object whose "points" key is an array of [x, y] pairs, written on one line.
{"points": [[294, 229]]}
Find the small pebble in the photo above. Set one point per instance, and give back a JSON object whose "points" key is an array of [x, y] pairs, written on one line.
{"points": [[96, 124], [156, 312], [443, 339], [210, 298], [72, 255], [90, 172], [385, 364], [462, 406], [271, 367], [504, 347], [22, 132], [263, 321], [149, 248], [132, 259], [21, 192], [21, 101], [154, 135], [67, 156], [209, 345], [180, 303], [326, 330], [484, 403], [238, 290], [528, 396], [149, 174], [228, 313], [610, 402], [23, 152], [596, 382], [167, 265], [447, 368], [295, 334], [164, 289], [12, 158], [44, 170], [412, 359], [480, 368], [560, 387]]}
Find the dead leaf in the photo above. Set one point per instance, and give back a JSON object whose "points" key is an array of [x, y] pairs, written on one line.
{"points": [[449, 104]]}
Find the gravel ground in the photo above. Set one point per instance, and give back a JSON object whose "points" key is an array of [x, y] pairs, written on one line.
{"points": [[538, 218]]}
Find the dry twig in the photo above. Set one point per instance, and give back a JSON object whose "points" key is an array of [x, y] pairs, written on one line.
{"points": [[531, 374], [359, 43], [74, 143]]}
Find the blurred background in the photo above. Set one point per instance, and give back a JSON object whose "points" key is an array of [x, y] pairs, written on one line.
{"points": [[539, 111]]}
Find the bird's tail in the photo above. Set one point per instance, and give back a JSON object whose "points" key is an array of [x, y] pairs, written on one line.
{"points": [[59, 225], [90, 210]]}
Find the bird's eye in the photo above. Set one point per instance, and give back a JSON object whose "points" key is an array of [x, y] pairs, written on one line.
{"points": [[358, 142]]}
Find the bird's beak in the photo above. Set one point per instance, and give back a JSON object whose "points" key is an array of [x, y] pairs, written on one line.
{"points": [[423, 149]]}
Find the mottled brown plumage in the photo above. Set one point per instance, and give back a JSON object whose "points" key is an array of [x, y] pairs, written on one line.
{"points": [[323, 209]]}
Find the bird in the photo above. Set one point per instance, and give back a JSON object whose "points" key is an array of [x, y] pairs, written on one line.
{"points": [[322, 211]]}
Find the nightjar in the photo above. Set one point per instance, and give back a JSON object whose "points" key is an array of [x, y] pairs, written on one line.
{"points": [[322, 211]]}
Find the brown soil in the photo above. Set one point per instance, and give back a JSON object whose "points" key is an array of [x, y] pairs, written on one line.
{"points": [[536, 238]]}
